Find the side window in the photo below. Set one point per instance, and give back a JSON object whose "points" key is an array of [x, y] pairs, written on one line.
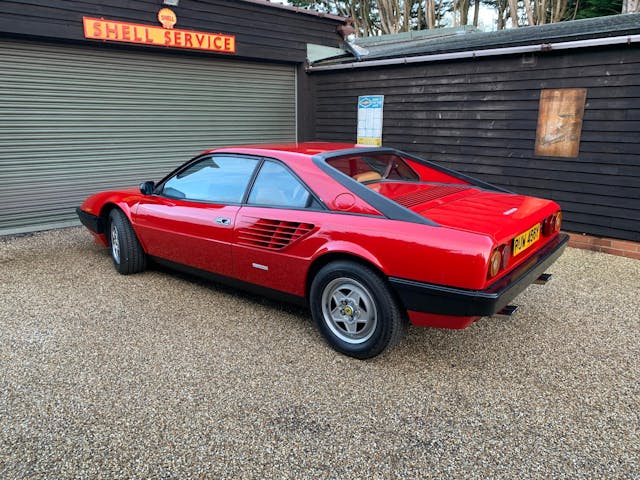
{"points": [[275, 186], [215, 179]]}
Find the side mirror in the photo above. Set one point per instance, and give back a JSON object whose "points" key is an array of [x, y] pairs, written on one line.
{"points": [[146, 188]]}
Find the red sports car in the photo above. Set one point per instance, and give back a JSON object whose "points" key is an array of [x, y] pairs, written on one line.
{"points": [[369, 238]]}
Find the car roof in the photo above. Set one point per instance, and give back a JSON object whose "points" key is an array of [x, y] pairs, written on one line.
{"points": [[305, 148]]}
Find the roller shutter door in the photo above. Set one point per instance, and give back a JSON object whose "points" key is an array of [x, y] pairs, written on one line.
{"points": [[75, 120]]}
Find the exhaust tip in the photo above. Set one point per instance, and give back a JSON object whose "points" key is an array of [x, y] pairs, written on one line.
{"points": [[507, 311], [543, 279]]}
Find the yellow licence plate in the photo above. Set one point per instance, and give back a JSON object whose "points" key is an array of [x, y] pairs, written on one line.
{"points": [[526, 239]]}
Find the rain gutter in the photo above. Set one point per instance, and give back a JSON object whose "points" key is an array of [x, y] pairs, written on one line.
{"points": [[543, 47]]}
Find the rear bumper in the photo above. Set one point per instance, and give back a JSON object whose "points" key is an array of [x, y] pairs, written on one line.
{"points": [[92, 222], [441, 300]]}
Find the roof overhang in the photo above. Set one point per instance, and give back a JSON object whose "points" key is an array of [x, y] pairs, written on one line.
{"points": [[490, 52]]}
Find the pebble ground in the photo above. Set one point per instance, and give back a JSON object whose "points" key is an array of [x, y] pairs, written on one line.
{"points": [[159, 375]]}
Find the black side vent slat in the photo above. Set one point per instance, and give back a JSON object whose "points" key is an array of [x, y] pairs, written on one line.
{"points": [[272, 234]]}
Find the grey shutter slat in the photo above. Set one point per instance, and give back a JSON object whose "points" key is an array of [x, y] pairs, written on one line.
{"points": [[75, 120]]}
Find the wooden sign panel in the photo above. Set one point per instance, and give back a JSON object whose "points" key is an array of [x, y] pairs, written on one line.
{"points": [[560, 122]]}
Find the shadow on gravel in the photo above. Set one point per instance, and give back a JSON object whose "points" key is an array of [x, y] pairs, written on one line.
{"points": [[240, 294]]}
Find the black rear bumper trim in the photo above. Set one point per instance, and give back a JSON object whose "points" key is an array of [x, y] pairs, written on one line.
{"points": [[438, 299]]}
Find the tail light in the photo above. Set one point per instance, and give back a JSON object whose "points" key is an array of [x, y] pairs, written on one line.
{"points": [[552, 224], [495, 262], [506, 255], [558, 222], [499, 260]]}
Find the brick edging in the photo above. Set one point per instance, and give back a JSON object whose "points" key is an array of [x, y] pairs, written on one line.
{"points": [[622, 248]]}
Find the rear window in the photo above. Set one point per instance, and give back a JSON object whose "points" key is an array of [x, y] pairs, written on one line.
{"points": [[374, 167]]}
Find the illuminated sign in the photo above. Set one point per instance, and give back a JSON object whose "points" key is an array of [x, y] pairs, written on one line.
{"points": [[116, 31]]}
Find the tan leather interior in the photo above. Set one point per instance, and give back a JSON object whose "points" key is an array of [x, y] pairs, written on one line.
{"points": [[367, 176]]}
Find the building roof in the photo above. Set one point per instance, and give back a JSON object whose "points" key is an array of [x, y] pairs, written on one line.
{"points": [[447, 40]]}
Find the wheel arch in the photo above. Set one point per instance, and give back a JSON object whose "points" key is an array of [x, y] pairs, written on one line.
{"points": [[111, 205], [336, 255]]}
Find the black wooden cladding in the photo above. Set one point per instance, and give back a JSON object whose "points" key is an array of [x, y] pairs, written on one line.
{"points": [[480, 117], [262, 31]]}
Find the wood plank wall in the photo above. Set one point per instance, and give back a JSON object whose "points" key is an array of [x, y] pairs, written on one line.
{"points": [[263, 32], [480, 116]]}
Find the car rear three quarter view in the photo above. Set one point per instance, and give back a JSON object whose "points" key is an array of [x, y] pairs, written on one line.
{"points": [[370, 238]]}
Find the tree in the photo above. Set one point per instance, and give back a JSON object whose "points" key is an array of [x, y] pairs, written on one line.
{"points": [[375, 17], [593, 8], [391, 15], [363, 12], [430, 13], [476, 12], [513, 11]]}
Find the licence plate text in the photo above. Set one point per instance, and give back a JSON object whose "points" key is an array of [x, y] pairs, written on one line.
{"points": [[526, 239]]}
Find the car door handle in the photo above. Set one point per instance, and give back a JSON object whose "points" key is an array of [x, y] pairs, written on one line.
{"points": [[223, 221]]}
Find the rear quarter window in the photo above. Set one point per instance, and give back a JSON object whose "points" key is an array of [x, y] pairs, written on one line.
{"points": [[387, 166]]}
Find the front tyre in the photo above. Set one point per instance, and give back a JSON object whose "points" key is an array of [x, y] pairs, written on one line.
{"points": [[354, 309], [126, 252]]}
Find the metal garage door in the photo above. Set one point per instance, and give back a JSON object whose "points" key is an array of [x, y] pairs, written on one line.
{"points": [[75, 120]]}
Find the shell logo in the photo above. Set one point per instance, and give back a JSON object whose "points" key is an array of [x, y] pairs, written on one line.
{"points": [[167, 17]]}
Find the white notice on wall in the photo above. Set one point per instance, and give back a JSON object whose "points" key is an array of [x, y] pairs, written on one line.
{"points": [[370, 120]]}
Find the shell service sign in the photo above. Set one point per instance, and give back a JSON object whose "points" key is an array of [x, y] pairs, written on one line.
{"points": [[165, 36]]}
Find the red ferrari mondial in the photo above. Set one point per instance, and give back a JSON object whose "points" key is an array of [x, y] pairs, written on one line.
{"points": [[369, 238]]}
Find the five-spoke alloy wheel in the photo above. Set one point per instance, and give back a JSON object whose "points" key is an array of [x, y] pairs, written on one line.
{"points": [[349, 310]]}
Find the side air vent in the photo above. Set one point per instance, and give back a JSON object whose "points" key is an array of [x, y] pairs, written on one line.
{"points": [[272, 234], [428, 194]]}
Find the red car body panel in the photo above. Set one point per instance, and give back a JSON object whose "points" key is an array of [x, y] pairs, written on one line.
{"points": [[463, 225]]}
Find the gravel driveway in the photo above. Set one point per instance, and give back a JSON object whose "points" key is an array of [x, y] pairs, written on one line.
{"points": [[164, 376]]}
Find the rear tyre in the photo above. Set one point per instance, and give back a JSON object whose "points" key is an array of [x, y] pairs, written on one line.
{"points": [[355, 310], [126, 252]]}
